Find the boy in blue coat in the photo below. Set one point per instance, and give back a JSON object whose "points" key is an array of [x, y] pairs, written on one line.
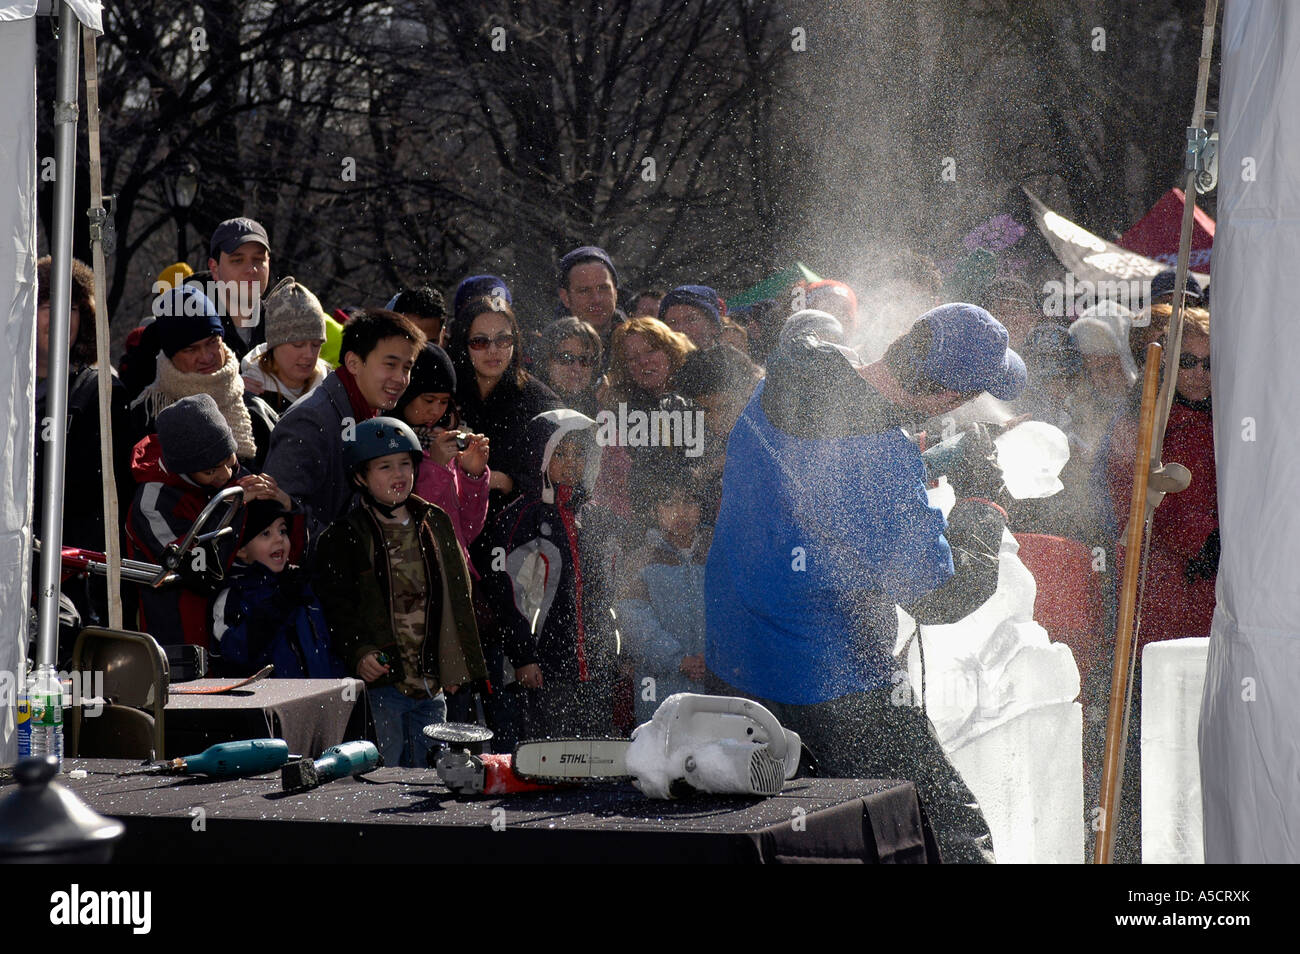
{"points": [[269, 613], [661, 612]]}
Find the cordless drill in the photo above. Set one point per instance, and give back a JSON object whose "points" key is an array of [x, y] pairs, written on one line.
{"points": [[225, 760], [350, 758]]}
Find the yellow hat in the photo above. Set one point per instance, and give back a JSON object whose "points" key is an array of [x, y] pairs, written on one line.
{"points": [[175, 274]]}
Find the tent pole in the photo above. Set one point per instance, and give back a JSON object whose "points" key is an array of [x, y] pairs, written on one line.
{"points": [[1117, 716], [112, 519], [1174, 349], [65, 153]]}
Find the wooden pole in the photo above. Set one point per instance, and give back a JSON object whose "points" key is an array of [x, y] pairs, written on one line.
{"points": [[1112, 773], [112, 521]]}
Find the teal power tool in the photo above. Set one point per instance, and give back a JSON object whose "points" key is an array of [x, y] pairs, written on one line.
{"points": [[226, 760], [350, 758]]}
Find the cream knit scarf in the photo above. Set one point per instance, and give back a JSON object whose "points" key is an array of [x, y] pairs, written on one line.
{"points": [[225, 385]]}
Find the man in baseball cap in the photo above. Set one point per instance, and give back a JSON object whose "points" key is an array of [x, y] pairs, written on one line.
{"points": [[821, 471], [962, 348], [239, 259]]}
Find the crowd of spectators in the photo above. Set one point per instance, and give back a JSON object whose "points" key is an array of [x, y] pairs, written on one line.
{"points": [[453, 503]]}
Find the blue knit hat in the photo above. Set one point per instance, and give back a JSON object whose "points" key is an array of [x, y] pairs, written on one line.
{"points": [[968, 352], [696, 296], [185, 316], [480, 286]]}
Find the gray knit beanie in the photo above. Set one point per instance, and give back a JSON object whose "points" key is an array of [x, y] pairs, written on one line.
{"points": [[193, 434], [292, 313]]}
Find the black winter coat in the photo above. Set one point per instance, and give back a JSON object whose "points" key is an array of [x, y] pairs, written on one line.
{"points": [[503, 417], [83, 507]]}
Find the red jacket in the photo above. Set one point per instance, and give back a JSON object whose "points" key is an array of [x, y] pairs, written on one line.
{"points": [[164, 507], [1173, 607]]}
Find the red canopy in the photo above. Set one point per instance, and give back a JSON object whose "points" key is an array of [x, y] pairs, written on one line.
{"points": [[1156, 233]]}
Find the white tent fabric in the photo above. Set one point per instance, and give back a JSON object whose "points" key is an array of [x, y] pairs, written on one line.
{"points": [[1250, 724], [87, 11], [18, 337]]}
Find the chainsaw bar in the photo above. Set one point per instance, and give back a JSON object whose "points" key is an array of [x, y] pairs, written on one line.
{"points": [[184, 690], [572, 760]]}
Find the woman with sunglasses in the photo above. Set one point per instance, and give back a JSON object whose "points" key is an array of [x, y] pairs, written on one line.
{"points": [[569, 360], [496, 396]]}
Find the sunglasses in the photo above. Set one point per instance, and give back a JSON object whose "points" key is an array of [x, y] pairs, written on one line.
{"points": [[1189, 361], [483, 342], [564, 357]]}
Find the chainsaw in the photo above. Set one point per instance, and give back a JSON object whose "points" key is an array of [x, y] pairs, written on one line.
{"points": [[694, 743]]}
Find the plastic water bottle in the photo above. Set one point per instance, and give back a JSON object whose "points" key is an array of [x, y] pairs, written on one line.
{"points": [[45, 697], [24, 721]]}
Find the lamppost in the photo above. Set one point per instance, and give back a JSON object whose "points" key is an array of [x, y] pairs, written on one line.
{"points": [[181, 183]]}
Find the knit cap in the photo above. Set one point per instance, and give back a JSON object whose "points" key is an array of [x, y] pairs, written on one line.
{"points": [[480, 286], [292, 313], [185, 316], [585, 253], [260, 514], [701, 297], [194, 436], [433, 374]]}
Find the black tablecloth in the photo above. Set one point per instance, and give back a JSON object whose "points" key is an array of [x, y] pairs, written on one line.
{"points": [[309, 714], [412, 818]]}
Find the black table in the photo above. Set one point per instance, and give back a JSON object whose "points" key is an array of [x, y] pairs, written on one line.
{"points": [[309, 714], [413, 818]]}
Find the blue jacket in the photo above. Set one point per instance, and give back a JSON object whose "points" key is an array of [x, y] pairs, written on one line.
{"points": [[824, 527], [661, 619], [264, 617]]}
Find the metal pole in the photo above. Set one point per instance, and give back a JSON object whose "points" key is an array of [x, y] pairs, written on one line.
{"points": [[65, 156], [1174, 342]]}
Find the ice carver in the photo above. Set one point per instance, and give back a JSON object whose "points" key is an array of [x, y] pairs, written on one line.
{"points": [[825, 526]]}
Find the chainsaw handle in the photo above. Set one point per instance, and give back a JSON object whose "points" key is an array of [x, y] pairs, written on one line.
{"points": [[779, 740]]}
